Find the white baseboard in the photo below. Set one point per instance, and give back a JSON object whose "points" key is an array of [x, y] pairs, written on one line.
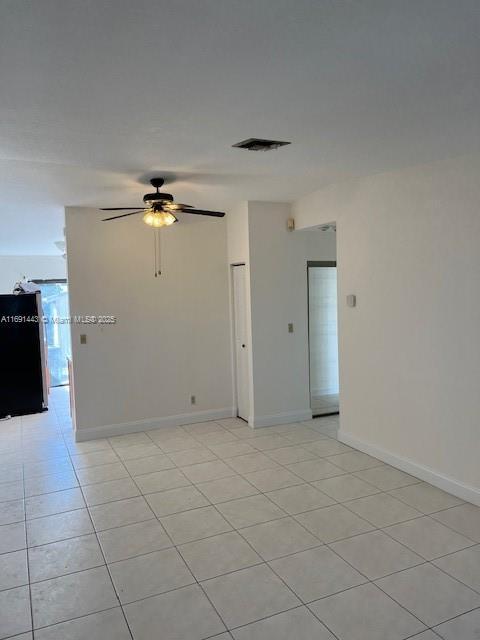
{"points": [[108, 430], [455, 487], [280, 418]]}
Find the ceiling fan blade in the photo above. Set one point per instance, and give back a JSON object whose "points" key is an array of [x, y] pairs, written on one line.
{"points": [[123, 215], [175, 206], [203, 212], [118, 208]]}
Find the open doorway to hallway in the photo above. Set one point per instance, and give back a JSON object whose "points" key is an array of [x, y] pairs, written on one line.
{"points": [[55, 309], [322, 330]]}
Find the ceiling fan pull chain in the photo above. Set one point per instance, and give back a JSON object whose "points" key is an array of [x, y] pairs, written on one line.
{"points": [[159, 252], [154, 253]]}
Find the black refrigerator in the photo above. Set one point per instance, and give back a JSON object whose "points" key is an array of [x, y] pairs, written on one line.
{"points": [[23, 387]]}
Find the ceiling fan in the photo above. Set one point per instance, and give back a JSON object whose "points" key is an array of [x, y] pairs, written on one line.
{"points": [[160, 208], [159, 211]]}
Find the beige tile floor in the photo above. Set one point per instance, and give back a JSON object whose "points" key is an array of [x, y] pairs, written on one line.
{"points": [[217, 531]]}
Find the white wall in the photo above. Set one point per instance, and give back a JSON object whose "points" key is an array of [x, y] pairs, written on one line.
{"points": [[278, 297], [237, 234], [276, 261], [321, 245], [172, 337], [15, 268], [238, 252], [408, 246]]}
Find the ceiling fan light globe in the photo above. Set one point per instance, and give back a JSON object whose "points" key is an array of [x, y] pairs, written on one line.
{"points": [[148, 218], [159, 218]]}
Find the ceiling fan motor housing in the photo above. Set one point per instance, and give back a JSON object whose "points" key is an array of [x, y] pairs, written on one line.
{"points": [[159, 202], [153, 198], [157, 197]]}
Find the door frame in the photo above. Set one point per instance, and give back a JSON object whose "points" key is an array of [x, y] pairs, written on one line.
{"points": [[316, 263], [233, 344]]}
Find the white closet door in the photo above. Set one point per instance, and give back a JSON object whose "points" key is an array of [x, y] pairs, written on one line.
{"points": [[241, 344]]}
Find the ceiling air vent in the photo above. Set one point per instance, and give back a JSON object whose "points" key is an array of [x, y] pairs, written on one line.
{"points": [[258, 144]]}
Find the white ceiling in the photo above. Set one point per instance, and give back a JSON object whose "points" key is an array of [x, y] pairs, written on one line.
{"points": [[99, 95]]}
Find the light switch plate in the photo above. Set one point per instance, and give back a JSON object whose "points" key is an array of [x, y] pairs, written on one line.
{"points": [[83, 338], [351, 300], [290, 327]]}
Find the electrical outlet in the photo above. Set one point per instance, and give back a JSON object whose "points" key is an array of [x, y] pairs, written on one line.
{"points": [[193, 400], [290, 327], [83, 338]]}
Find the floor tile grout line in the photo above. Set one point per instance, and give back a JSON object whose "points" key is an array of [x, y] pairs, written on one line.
{"points": [[193, 576], [106, 565], [56, 513], [69, 573], [245, 478], [322, 622], [300, 606], [381, 529], [197, 580], [27, 551], [281, 579], [55, 624], [403, 606], [387, 533], [111, 448], [367, 579], [477, 591], [44, 544], [186, 565], [203, 590], [459, 615], [370, 581], [377, 528], [380, 491], [27, 556], [182, 544], [389, 492], [260, 493], [257, 492], [421, 515]]}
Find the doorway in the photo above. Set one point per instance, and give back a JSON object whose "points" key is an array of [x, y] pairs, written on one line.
{"points": [[239, 291], [323, 337], [57, 330]]}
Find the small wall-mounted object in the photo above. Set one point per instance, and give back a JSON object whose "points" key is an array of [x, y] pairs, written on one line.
{"points": [[351, 300], [83, 338], [291, 224], [290, 327]]}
